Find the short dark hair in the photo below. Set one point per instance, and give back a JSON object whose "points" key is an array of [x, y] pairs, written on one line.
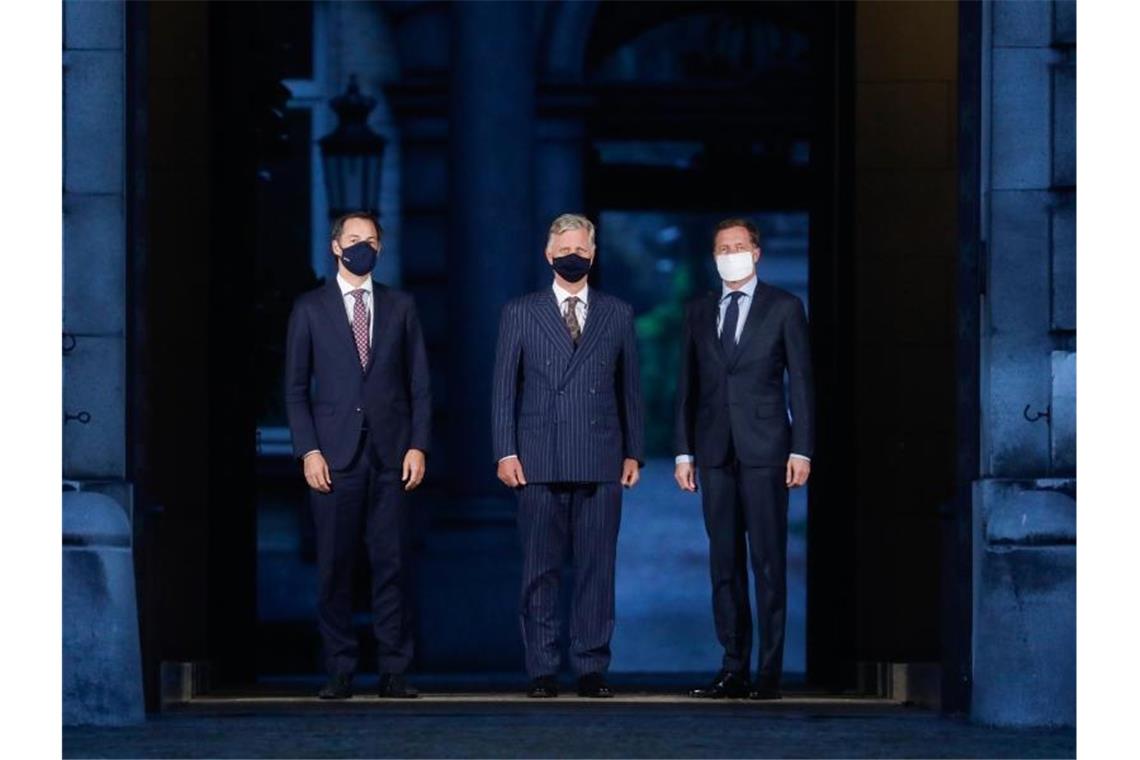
{"points": [[739, 221], [338, 224]]}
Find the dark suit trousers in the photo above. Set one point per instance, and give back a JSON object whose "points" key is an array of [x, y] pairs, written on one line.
{"points": [[746, 512], [580, 519], [367, 505]]}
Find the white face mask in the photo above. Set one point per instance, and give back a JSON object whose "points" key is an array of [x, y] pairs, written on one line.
{"points": [[735, 266]]}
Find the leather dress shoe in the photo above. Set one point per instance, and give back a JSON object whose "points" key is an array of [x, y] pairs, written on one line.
{"points": [[543, 687], [593, 686], [338, 687], [393, 686], [726, 685], [765, 693]]}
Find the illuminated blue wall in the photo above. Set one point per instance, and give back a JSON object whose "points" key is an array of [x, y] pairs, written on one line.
{"points": [[101, 665], [1024, 618]]}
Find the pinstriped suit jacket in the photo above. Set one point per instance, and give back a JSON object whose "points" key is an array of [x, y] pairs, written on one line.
{"points": [[571, 415]]}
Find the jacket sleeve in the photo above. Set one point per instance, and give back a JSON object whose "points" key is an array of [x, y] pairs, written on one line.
{"points": [[298, 375], [629, 385], [684, 417], [419, 379], [504, 390], [801, 386]]}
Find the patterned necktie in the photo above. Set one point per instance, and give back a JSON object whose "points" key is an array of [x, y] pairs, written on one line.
{"points": [[571, 317], [360, 325], [728, 324]]}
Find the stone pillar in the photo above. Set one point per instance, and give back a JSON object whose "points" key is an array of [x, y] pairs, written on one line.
{"points": [[94, 242], [102, 669], [106, 686], [492, 247], [1024, 605]]}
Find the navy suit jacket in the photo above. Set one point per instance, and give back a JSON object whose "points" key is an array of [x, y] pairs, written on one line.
{"points": [[570, 414], [741, 393], [328, 396]]}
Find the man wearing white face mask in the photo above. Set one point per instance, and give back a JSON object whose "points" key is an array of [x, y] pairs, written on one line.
{"points": [[732, 423]]}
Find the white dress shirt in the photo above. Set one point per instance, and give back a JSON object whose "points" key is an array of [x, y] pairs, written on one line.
{"points": [[580, 309], [743, 303], [346, 289]]}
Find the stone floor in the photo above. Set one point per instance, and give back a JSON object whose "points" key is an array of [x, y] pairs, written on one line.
{"points": [[506, 725]]}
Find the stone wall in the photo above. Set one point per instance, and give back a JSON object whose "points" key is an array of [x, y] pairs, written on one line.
{"points": [[101, 678], [1024, 627]]}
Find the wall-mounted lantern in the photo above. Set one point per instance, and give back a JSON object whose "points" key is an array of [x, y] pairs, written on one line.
{"points": [[352, 155]]}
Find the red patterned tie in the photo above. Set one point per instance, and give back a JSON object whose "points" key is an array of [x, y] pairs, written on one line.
{"points": [[360, 325]]}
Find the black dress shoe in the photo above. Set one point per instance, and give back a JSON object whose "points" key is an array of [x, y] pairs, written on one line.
{"points": [[593, 686], [338, 687], [543, 687], [726, 685], [765, 693], [393, 686]]}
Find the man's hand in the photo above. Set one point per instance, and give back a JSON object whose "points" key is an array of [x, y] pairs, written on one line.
{"points": [[511, 472], [630, 473], [414, 469], [798, 471], [686, 476], [317, 472]]}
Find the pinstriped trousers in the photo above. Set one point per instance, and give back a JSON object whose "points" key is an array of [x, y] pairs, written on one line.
{"points": [[555, 519]]}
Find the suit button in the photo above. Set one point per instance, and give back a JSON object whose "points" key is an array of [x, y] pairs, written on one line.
{"points": [[358, 409], [561, 393]]}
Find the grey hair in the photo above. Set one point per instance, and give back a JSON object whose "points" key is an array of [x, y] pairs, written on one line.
{"points": [[567, 222]]}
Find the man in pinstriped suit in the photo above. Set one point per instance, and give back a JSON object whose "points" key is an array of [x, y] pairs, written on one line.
{"points": [[567, 426]]}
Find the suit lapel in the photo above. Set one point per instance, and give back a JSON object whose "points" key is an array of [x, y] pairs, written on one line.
{"points": [[597, 316], [707, 325], [761, 304], [381, 311], [550, 320], [334, 304]]}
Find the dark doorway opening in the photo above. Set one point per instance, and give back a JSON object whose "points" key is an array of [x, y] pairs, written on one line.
{"points": [[769, 130]]}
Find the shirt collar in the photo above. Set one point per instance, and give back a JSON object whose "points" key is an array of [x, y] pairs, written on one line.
{"points": [[561, 295], [346, 287], [747, 288]]}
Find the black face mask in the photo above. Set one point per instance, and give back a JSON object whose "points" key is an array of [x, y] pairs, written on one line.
{"points": [[571, 267], [359, 258]]}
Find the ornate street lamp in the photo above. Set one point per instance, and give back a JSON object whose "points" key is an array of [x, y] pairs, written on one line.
{"points": [[352, 155]]}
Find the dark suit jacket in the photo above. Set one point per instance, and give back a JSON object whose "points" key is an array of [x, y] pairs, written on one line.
{"points": [[742, 394], [570, 414], [392, 393]]}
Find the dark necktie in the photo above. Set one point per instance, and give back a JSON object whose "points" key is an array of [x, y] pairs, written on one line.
{"points": [[728, 324], [571, 317], [360, 326]]}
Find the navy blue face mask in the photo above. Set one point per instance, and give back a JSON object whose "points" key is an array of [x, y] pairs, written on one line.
{"points": [[571, 267], [359, 258]]}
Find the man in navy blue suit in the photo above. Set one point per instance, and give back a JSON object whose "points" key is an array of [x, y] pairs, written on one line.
{"points": [[359, 408], [732, 423], [567, 425]]}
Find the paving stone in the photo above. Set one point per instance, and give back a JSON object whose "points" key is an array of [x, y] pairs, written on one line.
{"points": [[561, 729]]}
